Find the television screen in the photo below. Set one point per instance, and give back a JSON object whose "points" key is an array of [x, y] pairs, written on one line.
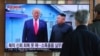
{"points": [[38, 27]]}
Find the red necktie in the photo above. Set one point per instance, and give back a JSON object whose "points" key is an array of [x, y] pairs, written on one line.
{"points": [[36, 27]]}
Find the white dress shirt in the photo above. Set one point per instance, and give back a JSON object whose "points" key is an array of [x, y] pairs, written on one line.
{"points": [[37, 22]]}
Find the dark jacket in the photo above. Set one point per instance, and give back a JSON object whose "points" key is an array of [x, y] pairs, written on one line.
{"points": [[59, 32], [81, 42], [29, 33], [95, 27]]}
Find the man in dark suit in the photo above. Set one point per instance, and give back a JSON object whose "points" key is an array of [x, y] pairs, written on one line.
{"points": [[81, 42], [35, 30], [60, 29]]}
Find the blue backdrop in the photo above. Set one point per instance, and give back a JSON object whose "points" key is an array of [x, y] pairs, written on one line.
{"points": [[15, 18]]}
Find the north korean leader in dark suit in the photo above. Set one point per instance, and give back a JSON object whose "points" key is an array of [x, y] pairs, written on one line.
{"points": [[35, 30], [60, 29], [81, 42]]}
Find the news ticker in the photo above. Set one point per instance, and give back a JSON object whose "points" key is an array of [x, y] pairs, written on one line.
{"points": [[35, 45]]}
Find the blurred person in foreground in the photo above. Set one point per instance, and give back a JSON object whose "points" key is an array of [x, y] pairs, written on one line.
{"points": [[95, 26], [81, 42]]}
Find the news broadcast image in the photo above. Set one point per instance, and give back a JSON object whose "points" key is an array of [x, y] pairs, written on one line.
{"points": [[20, 34]]}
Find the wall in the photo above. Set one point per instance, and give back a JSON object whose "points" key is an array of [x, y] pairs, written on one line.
{"points": [[2, 27], [97, 1], [17, 1], [91, 11]]}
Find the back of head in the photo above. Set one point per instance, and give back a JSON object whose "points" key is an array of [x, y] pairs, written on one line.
{"points": [[97, 8], [82, 17]]}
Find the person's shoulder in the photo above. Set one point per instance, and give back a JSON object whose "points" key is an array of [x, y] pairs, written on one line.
{"points": [[89, 25], [73, 33], [94, 24], [42, 21], [54, 25], [29, 20], [93, 35], [68, 25]]}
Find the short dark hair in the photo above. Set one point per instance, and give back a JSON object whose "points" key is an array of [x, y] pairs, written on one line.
{"points": [[62, 14], [97, 8]]}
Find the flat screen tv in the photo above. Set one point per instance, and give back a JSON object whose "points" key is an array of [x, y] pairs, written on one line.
{"points": [[23, 34]]}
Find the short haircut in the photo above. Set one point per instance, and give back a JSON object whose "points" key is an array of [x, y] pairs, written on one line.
{"points": [[62, 14], [97, 8], [82, 16], [36, 9]]}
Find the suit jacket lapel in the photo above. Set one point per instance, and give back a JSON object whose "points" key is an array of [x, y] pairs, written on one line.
{"points": [[32, 26], [39, 26]]}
